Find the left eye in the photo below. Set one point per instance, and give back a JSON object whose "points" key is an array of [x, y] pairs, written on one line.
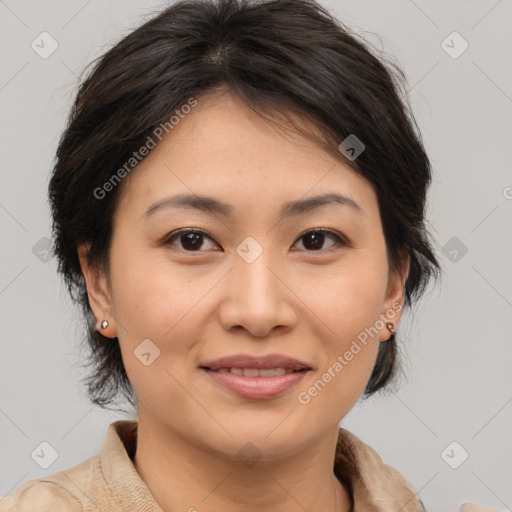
{"points": [[192, 240], [315, 239]]}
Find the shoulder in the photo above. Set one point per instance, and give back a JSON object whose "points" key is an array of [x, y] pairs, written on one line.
{"points": [[377, 485], [473, 507], [40, 495], [60, 491]]}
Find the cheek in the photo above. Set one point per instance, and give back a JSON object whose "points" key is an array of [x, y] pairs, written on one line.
{"points": [[350, 297], [155, 304], [151, 297], [348, 302], [348, 358]]}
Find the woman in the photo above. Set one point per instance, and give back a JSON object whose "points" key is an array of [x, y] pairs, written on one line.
{"points": [[238, 205]]}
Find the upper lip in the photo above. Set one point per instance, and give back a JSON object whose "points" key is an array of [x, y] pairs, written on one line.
{"points": [[265, 362]]}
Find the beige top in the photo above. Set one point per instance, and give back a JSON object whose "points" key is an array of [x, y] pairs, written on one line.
{"points": [[108, 481]]}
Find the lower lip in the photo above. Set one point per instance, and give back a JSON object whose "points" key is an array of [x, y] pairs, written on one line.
{"points": [[257, 387]]}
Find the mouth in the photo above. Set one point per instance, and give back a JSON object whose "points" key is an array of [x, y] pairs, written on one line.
{"points": [[257, 372], [254, 385], [247, 365], [256, 377]]}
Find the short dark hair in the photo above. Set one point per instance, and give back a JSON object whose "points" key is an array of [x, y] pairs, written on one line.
{"points": [[280, 57]]}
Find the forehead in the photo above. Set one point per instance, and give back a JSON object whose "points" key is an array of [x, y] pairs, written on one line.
{"points": [[222, 148], [225, 126]]}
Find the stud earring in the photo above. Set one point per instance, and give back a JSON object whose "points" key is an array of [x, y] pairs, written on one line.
{"points": [[391, 327], [104, 324]]}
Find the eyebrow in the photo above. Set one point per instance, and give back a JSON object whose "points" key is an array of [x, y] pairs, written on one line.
{"points": [[212, 205]]}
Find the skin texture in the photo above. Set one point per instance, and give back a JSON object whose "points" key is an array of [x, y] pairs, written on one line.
{"points": [[203, 304]]}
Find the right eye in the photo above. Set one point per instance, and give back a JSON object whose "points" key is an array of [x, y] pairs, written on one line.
{"points": [[191, 240]]}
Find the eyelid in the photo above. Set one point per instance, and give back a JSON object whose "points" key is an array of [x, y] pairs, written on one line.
{"points": [[167, 238], [340, 239], [325, 231]]}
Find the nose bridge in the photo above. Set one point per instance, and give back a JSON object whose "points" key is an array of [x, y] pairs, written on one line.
{"points": [[253, 276], [258, 298]]}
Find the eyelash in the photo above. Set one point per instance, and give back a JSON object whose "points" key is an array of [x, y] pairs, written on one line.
{"points": [[340, 241]]}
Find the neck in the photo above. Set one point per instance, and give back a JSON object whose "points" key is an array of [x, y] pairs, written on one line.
{"points": [[182, 476]]}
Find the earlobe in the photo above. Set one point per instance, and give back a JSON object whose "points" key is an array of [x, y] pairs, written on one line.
{"points": [[99, 294], [393, 304]]}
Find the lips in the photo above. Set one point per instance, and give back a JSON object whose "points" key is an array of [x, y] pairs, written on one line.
{"points": [[257, 372], [243, 362], [257, 378]]}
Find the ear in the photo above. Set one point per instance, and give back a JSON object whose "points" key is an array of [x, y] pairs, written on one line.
{"points": [[98, 291], [394, 301]]}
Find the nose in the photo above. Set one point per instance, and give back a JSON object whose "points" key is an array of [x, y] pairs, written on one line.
{"points": [[257, 298]]}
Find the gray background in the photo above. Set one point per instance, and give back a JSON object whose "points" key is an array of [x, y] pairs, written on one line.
{"points": [[457, 384]]}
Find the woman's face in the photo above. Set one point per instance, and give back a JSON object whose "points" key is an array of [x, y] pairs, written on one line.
{"points": [[260, 280]]}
